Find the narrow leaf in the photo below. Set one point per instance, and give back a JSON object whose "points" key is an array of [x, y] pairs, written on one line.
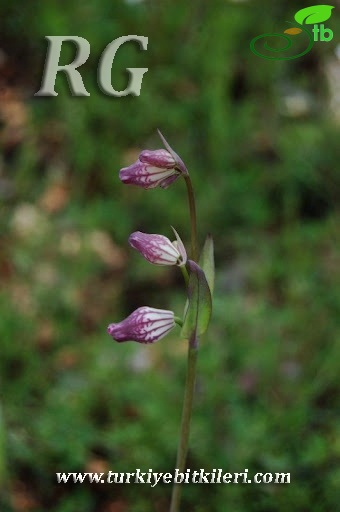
{"points": [[180, 246], [314, 14], [207, 262], [198, 312], [179, 161]]}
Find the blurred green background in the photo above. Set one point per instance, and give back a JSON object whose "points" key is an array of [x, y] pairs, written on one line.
{"points": [[261, 140]]}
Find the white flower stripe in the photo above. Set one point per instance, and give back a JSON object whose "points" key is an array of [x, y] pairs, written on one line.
{"points": [[158, 333], [153, 325], [152, 314], [155, 174], [156, 249]]}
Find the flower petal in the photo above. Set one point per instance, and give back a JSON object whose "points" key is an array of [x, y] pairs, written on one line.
{"points": [[144, 325], [167, 181], [158, 158], [144, 175], [156, 249]]}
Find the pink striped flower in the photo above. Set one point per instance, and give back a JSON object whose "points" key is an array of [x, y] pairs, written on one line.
{"points": [[145, 325], [152, 169], [158, 249]]}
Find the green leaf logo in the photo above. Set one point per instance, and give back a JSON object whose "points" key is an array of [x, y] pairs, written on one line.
{"points": [[314, 14]]}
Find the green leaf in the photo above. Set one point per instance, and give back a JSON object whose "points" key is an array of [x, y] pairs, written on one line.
{"points": [[314, 14], [207, 262], [199, 308]]}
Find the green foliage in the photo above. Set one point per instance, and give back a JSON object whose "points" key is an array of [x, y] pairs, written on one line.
{"points": [[262, 146], [207, 262], [198, 311]]}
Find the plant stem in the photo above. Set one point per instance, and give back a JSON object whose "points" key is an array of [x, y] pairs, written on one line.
{"points": [[191, 367], [193, 218], [178, 321], [185, 424], [185, 274]]}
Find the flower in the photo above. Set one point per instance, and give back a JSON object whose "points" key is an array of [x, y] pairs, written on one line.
{"points": [[152, 169], [158, 249], [144, 325], [159, 158]]}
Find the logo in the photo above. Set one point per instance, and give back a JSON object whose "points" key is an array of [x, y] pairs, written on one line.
{"points": [[314, 15]]}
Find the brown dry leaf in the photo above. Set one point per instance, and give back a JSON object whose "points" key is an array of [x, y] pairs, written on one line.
{"points": [[115, 506], [6, 266], [22, 298], [55, 198], [97, 466], [14, 116], [23, 499], [108, 252], [67, 358], [45, 335], [293, 31]]}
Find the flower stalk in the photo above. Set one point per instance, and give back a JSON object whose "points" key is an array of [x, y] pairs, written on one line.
{"points": [[189, 391], [193, 217], [186, 421], [160, 168]]}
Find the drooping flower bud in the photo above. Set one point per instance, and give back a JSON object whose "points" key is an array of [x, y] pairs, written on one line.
{"points": [[144, 325], [158, 249], [152, 169]]}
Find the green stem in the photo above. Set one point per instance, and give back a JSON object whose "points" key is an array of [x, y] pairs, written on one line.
{"points": [[193, 217], [185, 424], [191, 366], [185, 274], [178, 321]]}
